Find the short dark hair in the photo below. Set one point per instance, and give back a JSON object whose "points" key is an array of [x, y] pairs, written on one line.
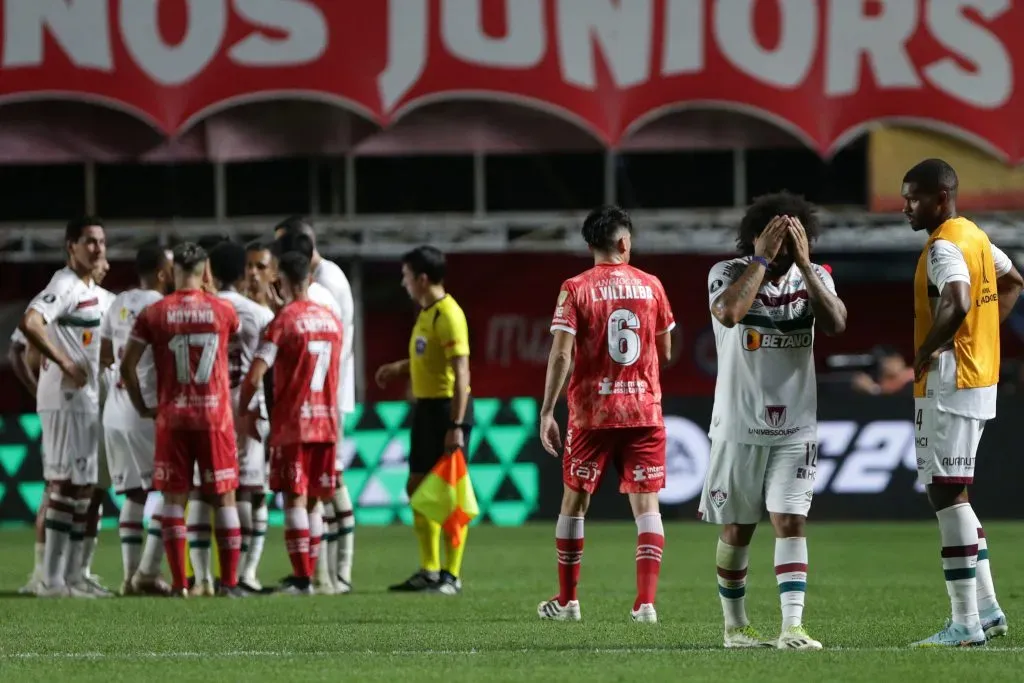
{"points": [[297, 224], [426, 260], [149, 259], [208, 242], [189, 256], [294, 267], [602, 226], [766, 207], [933, 175], [76, 226], [227, 262], [257, 244], [293, 241]]}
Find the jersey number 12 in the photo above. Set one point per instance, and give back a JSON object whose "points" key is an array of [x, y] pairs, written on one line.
{"points": [[623, 340], [182, 344]]}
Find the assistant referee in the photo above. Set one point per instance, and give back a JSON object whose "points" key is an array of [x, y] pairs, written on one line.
{"points": [[438, 366]]}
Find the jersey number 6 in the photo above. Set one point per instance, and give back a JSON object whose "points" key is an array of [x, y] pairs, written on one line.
{"points": [[623, 340]]}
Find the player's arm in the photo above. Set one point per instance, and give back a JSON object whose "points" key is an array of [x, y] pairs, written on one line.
{"points": [[559, 362], [453, 332], [666, 323], [130, 377], [33, 326], [16, 357], [1009, 282], [107, 358], [252, 383], [829, 310], [390, 371], [947, 269]]}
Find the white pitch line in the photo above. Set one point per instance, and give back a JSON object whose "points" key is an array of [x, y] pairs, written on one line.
{"points": [[257, 654]]}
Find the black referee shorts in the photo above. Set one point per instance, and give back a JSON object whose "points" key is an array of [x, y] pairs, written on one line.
{"points": [[431, 418]]}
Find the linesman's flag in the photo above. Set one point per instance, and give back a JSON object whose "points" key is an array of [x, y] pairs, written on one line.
{"points": [[446, 495]]}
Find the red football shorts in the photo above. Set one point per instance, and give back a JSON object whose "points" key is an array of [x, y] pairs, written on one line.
{"points": [[638, 454], [179, 450], [303, 469]]}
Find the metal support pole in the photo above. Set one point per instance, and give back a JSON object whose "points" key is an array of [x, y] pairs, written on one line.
{"points": [[739, 177], [479, 184], [220, 191], [90, 188], [355, 275], [337, 189], [610, 177], [350, 185], [314, 187]]}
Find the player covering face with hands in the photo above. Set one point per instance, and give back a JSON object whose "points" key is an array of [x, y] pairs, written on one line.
{"points": [[613, 321], [765, 307]]}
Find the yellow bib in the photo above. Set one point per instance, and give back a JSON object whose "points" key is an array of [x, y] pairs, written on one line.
{"points": [[976, 343]]}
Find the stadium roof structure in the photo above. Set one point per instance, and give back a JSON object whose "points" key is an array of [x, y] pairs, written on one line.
{"points": [[683, 232]]}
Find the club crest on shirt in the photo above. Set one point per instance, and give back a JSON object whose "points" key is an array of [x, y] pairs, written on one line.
{"points": [[715, 286], [86, 337], [421, 345], [775, 416], [562, 296], [718, 497]]}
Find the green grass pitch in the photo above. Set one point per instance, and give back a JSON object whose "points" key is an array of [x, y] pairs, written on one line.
{"points": [[872, 589]]}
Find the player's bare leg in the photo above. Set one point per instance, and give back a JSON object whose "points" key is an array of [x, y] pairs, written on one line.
{"points": [[569, 544], [38, 576], [650, 544], [731, 559], [958, 527], [229, 544], [200, 531], [296, 537], [791, 575], [174, 535]]}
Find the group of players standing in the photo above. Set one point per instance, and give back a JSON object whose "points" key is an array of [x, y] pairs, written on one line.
{"points": [[168, 379], [612, 324]]}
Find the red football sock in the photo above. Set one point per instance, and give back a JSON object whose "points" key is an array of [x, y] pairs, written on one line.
{"points": [[229, 545], [296, 538], [569, 542], [173, 532], [650, 543]]}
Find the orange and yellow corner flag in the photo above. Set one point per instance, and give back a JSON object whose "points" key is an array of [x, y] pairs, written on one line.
{"points": [[446, 495]]}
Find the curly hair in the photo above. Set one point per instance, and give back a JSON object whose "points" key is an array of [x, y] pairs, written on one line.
{"points": [[766, 207]]}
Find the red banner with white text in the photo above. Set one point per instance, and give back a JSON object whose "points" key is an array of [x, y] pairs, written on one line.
{"points": [[821, 70]]}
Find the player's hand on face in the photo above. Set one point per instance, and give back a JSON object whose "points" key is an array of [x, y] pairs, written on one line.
{"points": [[78, 375], [798, 241], [454, 439], [148, 414], [771, 238], [550, 436]]}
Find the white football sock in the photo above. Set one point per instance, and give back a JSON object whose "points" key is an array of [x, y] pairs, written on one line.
{"points": [[959, 530], [791, 575], [199, 531], [153, 550], [345, 519], [129, 527], [732, 582]]}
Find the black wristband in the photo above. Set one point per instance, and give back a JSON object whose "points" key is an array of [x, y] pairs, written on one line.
{"points": [[457, 425]]}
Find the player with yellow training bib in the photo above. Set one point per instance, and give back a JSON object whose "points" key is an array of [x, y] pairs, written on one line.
{"points": [[964, 288]]}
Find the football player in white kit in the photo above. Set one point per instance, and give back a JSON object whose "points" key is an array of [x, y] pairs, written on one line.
{"points": [[130, 439], [339, 518], [62, 322], [765, 306]]}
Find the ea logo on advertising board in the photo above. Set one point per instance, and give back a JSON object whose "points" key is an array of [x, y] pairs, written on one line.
{"points": [[687, 453]]}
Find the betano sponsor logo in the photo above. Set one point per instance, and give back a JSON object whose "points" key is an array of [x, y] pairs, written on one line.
{"points": [[754, 340]]}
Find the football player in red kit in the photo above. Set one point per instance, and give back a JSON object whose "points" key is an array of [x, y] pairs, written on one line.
{"points": [[615, 320], [303, 344], [189, 332]]}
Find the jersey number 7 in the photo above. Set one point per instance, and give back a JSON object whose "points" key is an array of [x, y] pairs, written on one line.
{"points": [[182, 344]]}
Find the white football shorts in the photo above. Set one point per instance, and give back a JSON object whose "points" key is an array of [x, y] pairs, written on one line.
{"points": [[71, 446], [947, 444], [130, 454], [743, 479], [252, 462]]}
